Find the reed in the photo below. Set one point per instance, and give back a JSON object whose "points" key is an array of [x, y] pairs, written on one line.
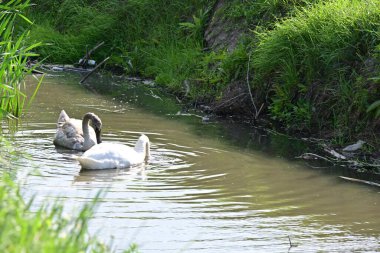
{"points": [[45, 230], [14, 55]]}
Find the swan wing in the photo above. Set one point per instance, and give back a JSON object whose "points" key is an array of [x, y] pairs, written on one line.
{"points": [[109, 156]]}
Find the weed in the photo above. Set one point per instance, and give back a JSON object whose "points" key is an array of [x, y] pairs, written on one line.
{"points": [[315, 52], [14, 56]]}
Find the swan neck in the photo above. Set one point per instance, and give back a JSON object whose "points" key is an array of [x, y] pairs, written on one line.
{"points": [[86, 131]]}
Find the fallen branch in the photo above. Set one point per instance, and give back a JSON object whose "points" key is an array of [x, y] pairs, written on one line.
{"points": [[335, 154], [92, 71], [257, 112], [309, 156], [360, 181], [229, 100], [86, 57]]}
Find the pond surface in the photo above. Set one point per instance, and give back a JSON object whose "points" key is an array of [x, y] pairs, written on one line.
{"points": [[200, 192]]}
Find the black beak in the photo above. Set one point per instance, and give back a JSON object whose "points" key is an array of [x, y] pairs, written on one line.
{"points": [[98, 138]]}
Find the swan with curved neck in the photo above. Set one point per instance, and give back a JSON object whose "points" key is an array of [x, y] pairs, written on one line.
{"points": [[78, 134], [115, 155]]}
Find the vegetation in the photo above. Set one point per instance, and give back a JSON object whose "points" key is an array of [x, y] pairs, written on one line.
{"points": [[14, 53], [45, 229], [313, 64]]}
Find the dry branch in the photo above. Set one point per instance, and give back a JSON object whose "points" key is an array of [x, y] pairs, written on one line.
{"points": [[92, 71]]}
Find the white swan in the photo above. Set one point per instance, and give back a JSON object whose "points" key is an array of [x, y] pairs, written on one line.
{"points": [[77, 134], [114, 155]]}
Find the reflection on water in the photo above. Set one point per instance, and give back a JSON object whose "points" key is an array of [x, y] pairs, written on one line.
{"points": [[198, 193]]}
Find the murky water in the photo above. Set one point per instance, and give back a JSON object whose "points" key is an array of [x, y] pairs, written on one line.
{"points": [[199, 193]]}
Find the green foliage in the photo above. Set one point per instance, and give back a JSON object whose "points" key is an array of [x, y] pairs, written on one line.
{"points": [[375, 106], [263, 12], [14, 54], [194, 30], [314, 52], [135, 26], [45, 229]]}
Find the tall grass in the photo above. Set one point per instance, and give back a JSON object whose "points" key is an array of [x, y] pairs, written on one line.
{"points": [[44, 230], [14, 55], [263, 12], [309, 58], [145, 37]]}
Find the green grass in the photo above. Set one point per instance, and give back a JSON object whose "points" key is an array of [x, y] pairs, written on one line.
{"points": [[14, 53], [135, 32], [45, 229], [313, 62]]}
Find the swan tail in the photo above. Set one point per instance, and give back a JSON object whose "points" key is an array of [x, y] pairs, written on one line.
{"points": [[63, 117]]}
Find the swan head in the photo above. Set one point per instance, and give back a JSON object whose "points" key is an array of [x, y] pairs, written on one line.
{"points": [[96, 123]]}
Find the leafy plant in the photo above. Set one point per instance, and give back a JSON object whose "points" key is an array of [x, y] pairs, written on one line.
{"points": [[45, 229], [375, 106], [14, 56], [195, 28]]}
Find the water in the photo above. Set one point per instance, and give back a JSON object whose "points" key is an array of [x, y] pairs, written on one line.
{"points": [[200, 192]]}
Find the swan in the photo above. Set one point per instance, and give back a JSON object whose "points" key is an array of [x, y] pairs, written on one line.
{"points": [[76, 134], [115, 155]]}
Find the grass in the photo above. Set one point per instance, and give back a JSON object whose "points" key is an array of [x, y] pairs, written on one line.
{"points": [[135, 32], [46, 229], [14, 54], [313, 62]]}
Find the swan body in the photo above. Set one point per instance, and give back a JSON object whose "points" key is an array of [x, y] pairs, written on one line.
{"points": [[77, 134], [115, 155]]}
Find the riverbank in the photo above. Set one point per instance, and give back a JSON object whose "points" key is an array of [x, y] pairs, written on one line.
{"points": [[307, 69]]}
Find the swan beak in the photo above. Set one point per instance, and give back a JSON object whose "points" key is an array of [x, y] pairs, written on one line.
{"points": [[98, 138]]}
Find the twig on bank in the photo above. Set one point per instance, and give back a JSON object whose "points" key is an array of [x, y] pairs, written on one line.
{"points": [[84, 60], [335, 154], [360, 181], [257, 112], [229, 100], [92, 71], [314, 156]]}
